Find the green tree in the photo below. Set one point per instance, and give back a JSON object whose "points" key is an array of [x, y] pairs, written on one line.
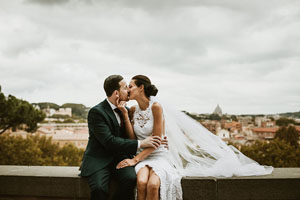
{"points": [[17, 113], [82, 121], [283, 151], [214, 117], [285, 122], [14, 150], [49, 150], [37, 150], [68, 120], [276, 153], [291, 114], [71, 155], [59, 116], [288, 134], [190, 115], [234, 118]]}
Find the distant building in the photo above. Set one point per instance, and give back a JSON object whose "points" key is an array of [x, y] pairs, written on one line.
{"points": [[245, 120], [268, 124], [218, 110], [258, 120], [36, 106], [79, 140], [61, 111], [223, 134], [276, 117], [64, 133], [246, 130], [64, 111], [265, 133], [232, 126], [264, 122], [212, 126]]}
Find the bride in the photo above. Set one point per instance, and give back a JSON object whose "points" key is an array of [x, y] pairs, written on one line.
{"points": [[193, 150]]}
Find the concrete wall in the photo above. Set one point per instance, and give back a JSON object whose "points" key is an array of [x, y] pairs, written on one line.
{"points": [[45, 182]]}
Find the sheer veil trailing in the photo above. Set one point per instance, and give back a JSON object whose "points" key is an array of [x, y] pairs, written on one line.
{"points": [[195, 151]]}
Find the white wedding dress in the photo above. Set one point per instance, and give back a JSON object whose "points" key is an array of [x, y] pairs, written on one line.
{"points": [[158, 160], [193, 151]]}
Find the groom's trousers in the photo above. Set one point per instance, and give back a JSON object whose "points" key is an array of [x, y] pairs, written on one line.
{"points": [[125, 178]]}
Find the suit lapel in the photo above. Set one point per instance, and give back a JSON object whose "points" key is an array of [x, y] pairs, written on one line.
{"points": [[110, 112]]}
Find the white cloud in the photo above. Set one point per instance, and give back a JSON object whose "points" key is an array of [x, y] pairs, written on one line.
{"points": [[242, 55]]}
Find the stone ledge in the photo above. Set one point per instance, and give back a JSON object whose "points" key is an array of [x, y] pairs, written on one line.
{"points": [[47, 182]]}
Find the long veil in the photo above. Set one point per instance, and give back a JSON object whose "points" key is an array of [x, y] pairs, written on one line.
{"points": [[195, 151]]}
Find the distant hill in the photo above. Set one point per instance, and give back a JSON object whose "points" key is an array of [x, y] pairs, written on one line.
{"points": [[44, 105], [206, 116], [78, 110], [291, 114]]}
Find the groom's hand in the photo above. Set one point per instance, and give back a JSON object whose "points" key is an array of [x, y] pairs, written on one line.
{"points": [[151, 141]]}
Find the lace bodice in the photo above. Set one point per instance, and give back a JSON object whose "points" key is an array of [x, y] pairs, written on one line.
{"points": [[143, 121]]}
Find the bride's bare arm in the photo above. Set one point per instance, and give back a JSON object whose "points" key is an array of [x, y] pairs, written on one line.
{"points": [[127, 122], [157, 131]]}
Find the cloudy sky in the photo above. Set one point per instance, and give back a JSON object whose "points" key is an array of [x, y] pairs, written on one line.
{"points": [[242, 55]]}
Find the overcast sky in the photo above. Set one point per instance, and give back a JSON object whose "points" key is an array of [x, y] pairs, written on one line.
{"points": [[243, 55]]}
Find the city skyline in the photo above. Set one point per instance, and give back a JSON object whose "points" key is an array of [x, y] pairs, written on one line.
{"points": [[241, 55]]}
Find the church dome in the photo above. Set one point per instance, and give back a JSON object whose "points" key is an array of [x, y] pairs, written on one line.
{"points": [[218, 110]]}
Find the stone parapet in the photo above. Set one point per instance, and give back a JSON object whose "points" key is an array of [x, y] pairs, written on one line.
{"points": [[63, 183]]}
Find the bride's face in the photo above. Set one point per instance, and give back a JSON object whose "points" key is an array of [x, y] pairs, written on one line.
{"points": [[133, 90]]}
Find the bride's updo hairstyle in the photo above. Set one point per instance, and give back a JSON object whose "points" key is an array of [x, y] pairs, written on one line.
{"points": [[150, 90]]}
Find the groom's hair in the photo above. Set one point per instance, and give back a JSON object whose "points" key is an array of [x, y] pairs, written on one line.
{"points": [[111, 84]]}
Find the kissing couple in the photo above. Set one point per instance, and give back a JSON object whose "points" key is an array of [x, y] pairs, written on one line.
{"points": [[126, 144]]}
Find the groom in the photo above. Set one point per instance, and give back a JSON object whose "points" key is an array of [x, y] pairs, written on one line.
{"points": [[107, 145]]}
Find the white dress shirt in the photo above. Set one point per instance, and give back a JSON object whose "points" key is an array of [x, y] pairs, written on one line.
{"points": [[113, 107]]}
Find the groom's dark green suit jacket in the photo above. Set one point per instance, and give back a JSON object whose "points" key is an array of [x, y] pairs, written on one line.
{"points": [[106, 140]]}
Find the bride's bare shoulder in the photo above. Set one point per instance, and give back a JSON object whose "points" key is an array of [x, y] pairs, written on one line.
{"points": [[156, 107]]}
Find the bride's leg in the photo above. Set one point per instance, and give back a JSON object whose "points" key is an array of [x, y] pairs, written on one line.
{"points": [[153, 186], [142, 180]]}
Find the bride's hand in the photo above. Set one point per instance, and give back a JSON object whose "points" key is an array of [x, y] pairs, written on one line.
{"points": [[165, 142], [126, 163]]}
